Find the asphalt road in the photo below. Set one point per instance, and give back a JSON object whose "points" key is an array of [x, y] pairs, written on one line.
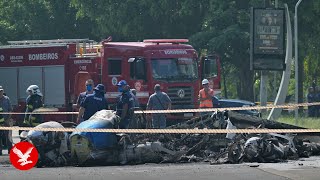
{"points": [[291, 170], [308, 169]]}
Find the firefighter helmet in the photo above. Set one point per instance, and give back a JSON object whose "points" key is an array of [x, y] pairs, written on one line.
{"points": [[34, 89]]}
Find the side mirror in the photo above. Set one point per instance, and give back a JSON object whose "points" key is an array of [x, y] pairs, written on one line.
{"points": [[130, 60]]}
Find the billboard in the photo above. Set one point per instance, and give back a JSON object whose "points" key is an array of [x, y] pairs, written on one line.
{"points": [[267, 39]]}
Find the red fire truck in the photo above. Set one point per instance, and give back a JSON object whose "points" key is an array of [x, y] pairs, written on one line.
{"points": [[53, 65], [61, 67]]}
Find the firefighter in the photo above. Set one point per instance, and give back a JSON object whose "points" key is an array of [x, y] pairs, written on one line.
{"points": [[205, 96], [5, 120], [125, 104], [33, 102], [89, 90], [92, 103]]}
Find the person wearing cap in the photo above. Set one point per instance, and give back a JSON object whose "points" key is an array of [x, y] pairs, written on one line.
{"points": [[33, 101], [205, 96], [125, 104], [92, 103], [5, 120], [159, 101]]}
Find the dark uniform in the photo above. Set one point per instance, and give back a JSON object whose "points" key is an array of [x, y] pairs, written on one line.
{"points": [[5, 136], [125, 98], [81, 97], [94, 103], [33, 102]]}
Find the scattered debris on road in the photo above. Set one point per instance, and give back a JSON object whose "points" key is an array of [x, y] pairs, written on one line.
{"points": [[108, 149]]}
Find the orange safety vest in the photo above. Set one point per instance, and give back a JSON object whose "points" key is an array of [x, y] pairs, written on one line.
{"points": [[208, 102]]}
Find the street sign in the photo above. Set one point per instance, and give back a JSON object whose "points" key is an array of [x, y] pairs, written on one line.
{"points": [[267, 39]]}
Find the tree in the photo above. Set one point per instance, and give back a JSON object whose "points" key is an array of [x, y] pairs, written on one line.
{"points": [[226, 32], [131, 20], [41, 19]]}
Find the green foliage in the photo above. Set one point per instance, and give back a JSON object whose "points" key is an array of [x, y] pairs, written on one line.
{"points": [[305, 122], [225, 31], [212, 26], [40, 19], [131, 20], [309, 39]]}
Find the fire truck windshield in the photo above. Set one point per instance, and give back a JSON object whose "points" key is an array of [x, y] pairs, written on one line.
{"points": [[174, 69]]}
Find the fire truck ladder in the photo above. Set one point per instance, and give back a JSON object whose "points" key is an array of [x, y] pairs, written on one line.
{"points": [[54, 41], [173, 41], [84, 47]]}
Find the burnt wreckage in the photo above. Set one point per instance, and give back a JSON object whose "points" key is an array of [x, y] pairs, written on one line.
{"points": [[87, 148]]}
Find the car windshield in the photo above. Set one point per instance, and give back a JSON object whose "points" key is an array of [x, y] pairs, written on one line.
{"points": [[174, 69], [218, 96]]}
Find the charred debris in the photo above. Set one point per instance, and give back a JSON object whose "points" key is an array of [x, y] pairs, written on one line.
{"points": [[232, 148]]}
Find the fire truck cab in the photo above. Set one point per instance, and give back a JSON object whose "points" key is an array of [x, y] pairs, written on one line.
{"points": [[167, 62]]}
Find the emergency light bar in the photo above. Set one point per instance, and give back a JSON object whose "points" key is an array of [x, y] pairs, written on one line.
{"points": [[173, 41]]}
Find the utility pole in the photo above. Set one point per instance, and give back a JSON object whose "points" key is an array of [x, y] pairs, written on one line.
{"points": [[274, 92], [264, 74], [264, 77], [263, 90], [296, 115]]}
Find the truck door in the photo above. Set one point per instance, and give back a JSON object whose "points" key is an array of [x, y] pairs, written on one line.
{"points": [[138, 76], [137, 69], [80, 80], [28, 76], [115, 73], [210, 69], [54, 92], [9, 81]]}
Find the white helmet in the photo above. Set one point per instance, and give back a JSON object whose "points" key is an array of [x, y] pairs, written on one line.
{"points": [[205, 81], [34, 90]]}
